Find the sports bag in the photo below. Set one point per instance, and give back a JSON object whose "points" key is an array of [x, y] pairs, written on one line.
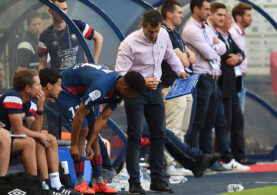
{"points": [[21, 184]]}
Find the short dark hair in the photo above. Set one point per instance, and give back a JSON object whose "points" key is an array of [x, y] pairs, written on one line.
{"points": [[152, 17], [240, 9], [216, 5], [60, 1], [48, 75], [196, 3], [135, 81], [169, 6], [24, 77], [32, 15]]}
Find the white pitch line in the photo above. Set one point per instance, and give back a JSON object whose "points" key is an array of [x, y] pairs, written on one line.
{"points": [[265, 182]]}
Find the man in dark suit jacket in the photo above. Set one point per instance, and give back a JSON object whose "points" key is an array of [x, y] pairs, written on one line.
{"points": [[220, 120], [230, 85]]}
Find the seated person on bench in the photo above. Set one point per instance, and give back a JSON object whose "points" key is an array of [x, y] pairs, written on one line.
{"points": [[24, 116], [16, 146]]}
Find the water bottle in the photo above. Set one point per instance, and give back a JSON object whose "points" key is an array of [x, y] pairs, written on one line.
{"points": [[64, 165], [123, 182], [120, 181], [142, 164], [144, 175], [124, 185], [235, 188], [145, 180], [177, 179]]}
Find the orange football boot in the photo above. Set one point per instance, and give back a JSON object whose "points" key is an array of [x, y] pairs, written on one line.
{"points": [[84, 188]]}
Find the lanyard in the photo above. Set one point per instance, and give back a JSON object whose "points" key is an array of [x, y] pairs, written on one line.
{"points": [[180, 42], [213, 63], [205, 35]]}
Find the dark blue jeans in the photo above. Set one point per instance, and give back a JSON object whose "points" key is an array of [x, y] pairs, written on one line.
{"points": [[179, 150], [218, 120], [147, 106], [207, 95]]}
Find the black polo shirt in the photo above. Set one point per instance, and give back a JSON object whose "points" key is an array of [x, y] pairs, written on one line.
{"points": [[168, 75]]}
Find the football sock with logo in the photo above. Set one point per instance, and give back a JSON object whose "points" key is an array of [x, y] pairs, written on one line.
{"points": [[79, 166], [96, 164]]}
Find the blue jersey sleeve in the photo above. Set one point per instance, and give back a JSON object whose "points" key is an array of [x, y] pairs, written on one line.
{"points": [[86, 30], [92, 95], [44, 38], [30, 108], [13, 104]]}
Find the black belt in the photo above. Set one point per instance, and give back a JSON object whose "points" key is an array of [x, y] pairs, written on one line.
{"points": [[216, 77]]}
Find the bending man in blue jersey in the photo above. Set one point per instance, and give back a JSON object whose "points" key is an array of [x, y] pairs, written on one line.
{"points": [[84, 87]]}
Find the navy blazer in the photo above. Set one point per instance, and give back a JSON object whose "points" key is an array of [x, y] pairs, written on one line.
{"points": [[230, 84]]}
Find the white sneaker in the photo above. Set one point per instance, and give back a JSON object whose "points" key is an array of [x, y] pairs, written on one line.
{"points": [[170, 171], [234, 165], [184, 172]]}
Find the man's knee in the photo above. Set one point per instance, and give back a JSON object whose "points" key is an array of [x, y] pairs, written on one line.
{"points": [[5, 139], [52, 141], [28, 144]]}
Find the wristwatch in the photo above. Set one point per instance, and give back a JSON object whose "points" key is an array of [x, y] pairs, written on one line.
{"points": [[214, 47], [40, 112], [240, 57]]}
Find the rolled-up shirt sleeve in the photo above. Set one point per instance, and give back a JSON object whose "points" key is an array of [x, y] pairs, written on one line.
{"points": [[124, 59], [220, 47], [198, 42]]}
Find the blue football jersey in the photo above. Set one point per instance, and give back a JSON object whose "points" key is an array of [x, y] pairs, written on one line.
{"points": [[92, 84], [63, 46], [11, 103]]}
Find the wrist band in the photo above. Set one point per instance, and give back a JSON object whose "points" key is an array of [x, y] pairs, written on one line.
{"points": [[40, 112]]}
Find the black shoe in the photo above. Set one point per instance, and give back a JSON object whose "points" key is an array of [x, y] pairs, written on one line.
{"points": [[52, 192], [207, 159], [65, 191], [135, 188], [247, 162], [161, 187]]}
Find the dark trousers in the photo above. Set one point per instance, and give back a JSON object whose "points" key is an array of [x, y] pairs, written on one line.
{"points": [[148, 105], [235, 124], [105, 156], [180, 151], [201, 132], [220, 124]]}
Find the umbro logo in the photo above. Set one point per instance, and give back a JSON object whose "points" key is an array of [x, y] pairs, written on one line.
{"points": [[17, 192]]}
